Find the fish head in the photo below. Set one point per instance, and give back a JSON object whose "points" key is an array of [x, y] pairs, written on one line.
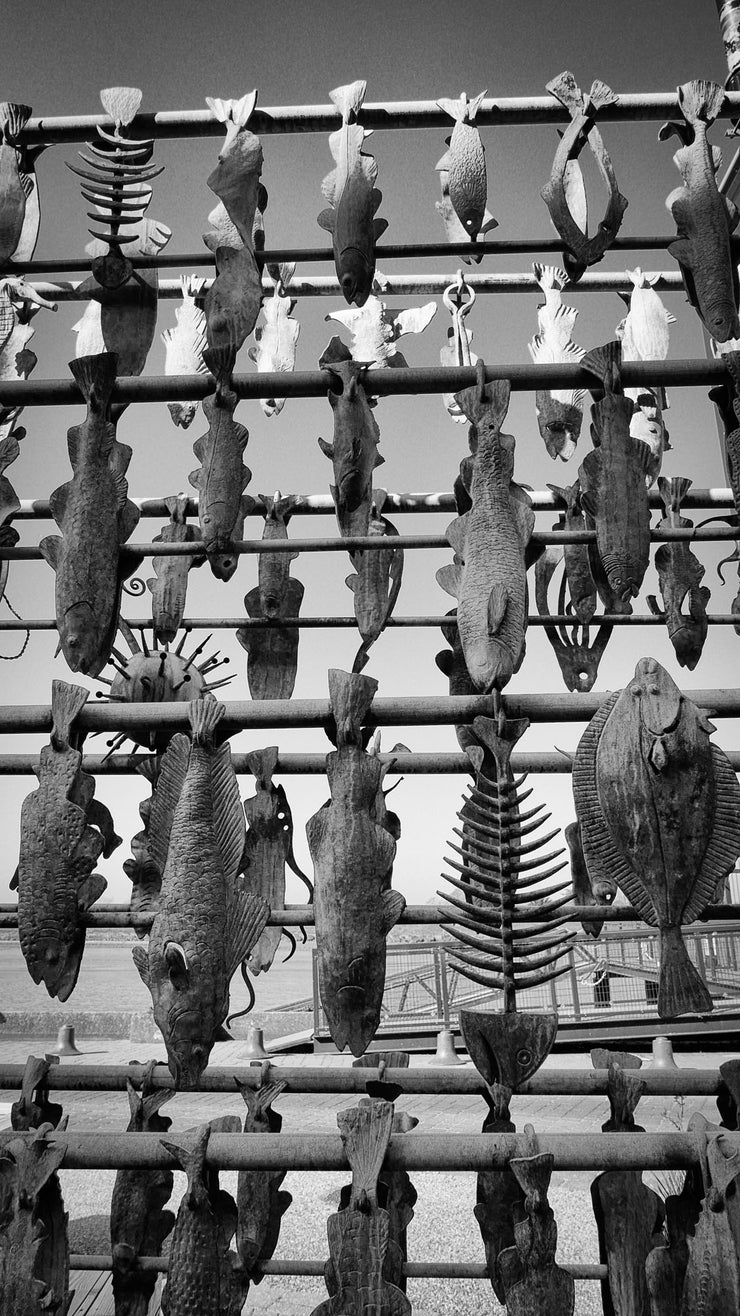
{"points": [[188, 1047], [218, 541], [720, 318], [57, 961], [81, 638], [660, 699], [560, 427], [182, 413], [355, 273]]}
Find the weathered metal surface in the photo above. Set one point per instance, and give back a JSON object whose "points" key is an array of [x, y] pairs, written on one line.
{"points": [[704, 219], [559, 413], [680, 574], [375, 329], [64, 831], [34, 1251], [277, 337], [499, 1199], [13, 119], [124, 324], [533, 1282], [169, 584], [33, 1107], [141, 870], [658, 807], [184, 345], [644, 337], [396, 1193], [451, 662], [462, 177], [352, 856], [19, 304], [206, 923], [159, 676], [222, 476], [586, 893], [233, 300], [459, 298], [376, 582], [261, 1201], [353, 199], [354, 452], [273, 654], [577, 657]]}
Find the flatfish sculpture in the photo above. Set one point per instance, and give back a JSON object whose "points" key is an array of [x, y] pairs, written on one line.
{"points": [[354, 452], [64, 831], [233, 300], [488, 577], [680, 574], [206, 922], [204, 1275], [352, 856], [260, 1199], [185, 344], [222, 476], [462, 176], [169, 584], [272, 661], [375, 329], [532, 1279], [376, 581], [704, 218], [358, 1272], [139, 1223], [559, 411], [659, 809], [34, 1250], [612, 479], [644, 337], [564, 195], [96, 517], [13, 185], [277, 338], [353, 198]]}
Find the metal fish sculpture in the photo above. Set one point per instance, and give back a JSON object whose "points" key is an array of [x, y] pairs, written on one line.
{"points": [[704, 218], [139, 1224], [96, 517], [451, 662], [206, 923], [456, 351], [34, 1251], [353, 199], [273, 652], [462, 176], [566, 184], [277, 338], [204, 1275], [13, 186], [499, 1198], [233, 301], [64, 831], [586, 893], [33, 1107], [581, 587], [268, 849], [659, 809], [354, 453], [352, 856], [644, 337], [680, 574], [532, 1279], [488, 577], [578, 657], [376, 581], [169, 583], [375, 330], [19, 304], [140, 869], [184, 345], [559, 411], [222, 476], [260, 1200], [612, 478]]}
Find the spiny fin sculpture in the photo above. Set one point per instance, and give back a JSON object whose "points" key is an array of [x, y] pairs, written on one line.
{"points": [[64, 831], [206, 922], [354, 451], [705, 220], [222, 476], [139, 1224], [680, 574], [659, 811], [14, 187], [375, 329], [233, 300], [276, 338], [353, 855], [96, 517], [185, 344], [353, 198], [564, 194], [261, 1201], [376, 582], [169, 584], [33, 1107], [272, 652], [532, 1279], [559, 411], [578, 657], [489, 575], [34, 1248], [499, 1199], [462, 176], [505, 921], [361, 1256]]}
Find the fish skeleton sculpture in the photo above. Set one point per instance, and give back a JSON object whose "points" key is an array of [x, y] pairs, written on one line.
{"points": [[222, 476], [206, 923], [185, 344], [354, 453], [353, 199], [272, 660], [659, 810], [559, 411], [233, 300], [462, 176], [276, 339], [680, 574]]}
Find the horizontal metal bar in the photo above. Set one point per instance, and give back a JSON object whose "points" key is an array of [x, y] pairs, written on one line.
{"points": [[298, 1266], [380, 383], [417, 1080], [348, 623], [415, 1151], [53, 129]]}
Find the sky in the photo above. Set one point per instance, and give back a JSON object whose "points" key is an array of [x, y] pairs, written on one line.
{"points": [[59, 58]]}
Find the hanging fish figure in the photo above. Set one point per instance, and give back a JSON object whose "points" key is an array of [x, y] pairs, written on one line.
{"points": [[184, 345], [451, 662], [277, 338], [375, 329], [233, 300], [96, 517], [462, 176], [14, 188], [680, 574], [222, 476], [64, 831], [206, 923], [353, 199], [354, 452], [139, 1223], [644, 337], [169, 584], [704, 218], [532, 1279], [659, 810], [559, 411], [273, 652], [34, 1249], [376, 581], [352, 856], [578, 659], [489, 577], [612, 479], [140, 869], [260, 1200]]}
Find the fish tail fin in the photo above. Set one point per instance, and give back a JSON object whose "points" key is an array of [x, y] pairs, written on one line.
{"points": [[243, 109], [605, 363], [681, 990], [673, 492], [701, 101], [220, 362], [192, 1162], [13, 119], [66, 702], [259, 1100], [348, 99], [205, 715], [474, 104], [192, 286], [121, 103], [549, 276], [567, 91], [95, 376], [600, 95], [458, 108]]}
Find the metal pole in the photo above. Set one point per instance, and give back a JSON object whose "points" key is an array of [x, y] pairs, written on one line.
{"points": [[297, 1266], [348, 623]]}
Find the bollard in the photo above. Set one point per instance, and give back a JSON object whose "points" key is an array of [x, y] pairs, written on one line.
{"points": [[663, 1054], [445, 1053], [254, 1048], [65, 1042]]}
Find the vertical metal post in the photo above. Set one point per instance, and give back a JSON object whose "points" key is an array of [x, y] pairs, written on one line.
{"points": [[574, 985], [440, 959]]}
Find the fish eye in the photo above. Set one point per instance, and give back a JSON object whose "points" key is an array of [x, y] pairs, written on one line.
{"points": [[653, 689], [635, 690]]}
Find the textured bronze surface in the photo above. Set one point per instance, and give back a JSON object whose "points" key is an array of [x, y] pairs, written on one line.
{"points": [[376, 581], [273, 654], [680, 574], [354, 452], [261, 1201], [462, 176], [170, 581], [139, 1223], [222, 476], [233, 300]]}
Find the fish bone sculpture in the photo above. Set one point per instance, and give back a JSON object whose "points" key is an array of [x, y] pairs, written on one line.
{"points": [[659, 810], [354, 453], [559, 411], [64, 831], [353, 198], [206, 922], [462, 176], [352, 856], [233, 301], [277, 337], [222, 476], [272, 660]]}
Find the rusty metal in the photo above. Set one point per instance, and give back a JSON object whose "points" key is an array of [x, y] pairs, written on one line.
{"points": [[298, 1266]]}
